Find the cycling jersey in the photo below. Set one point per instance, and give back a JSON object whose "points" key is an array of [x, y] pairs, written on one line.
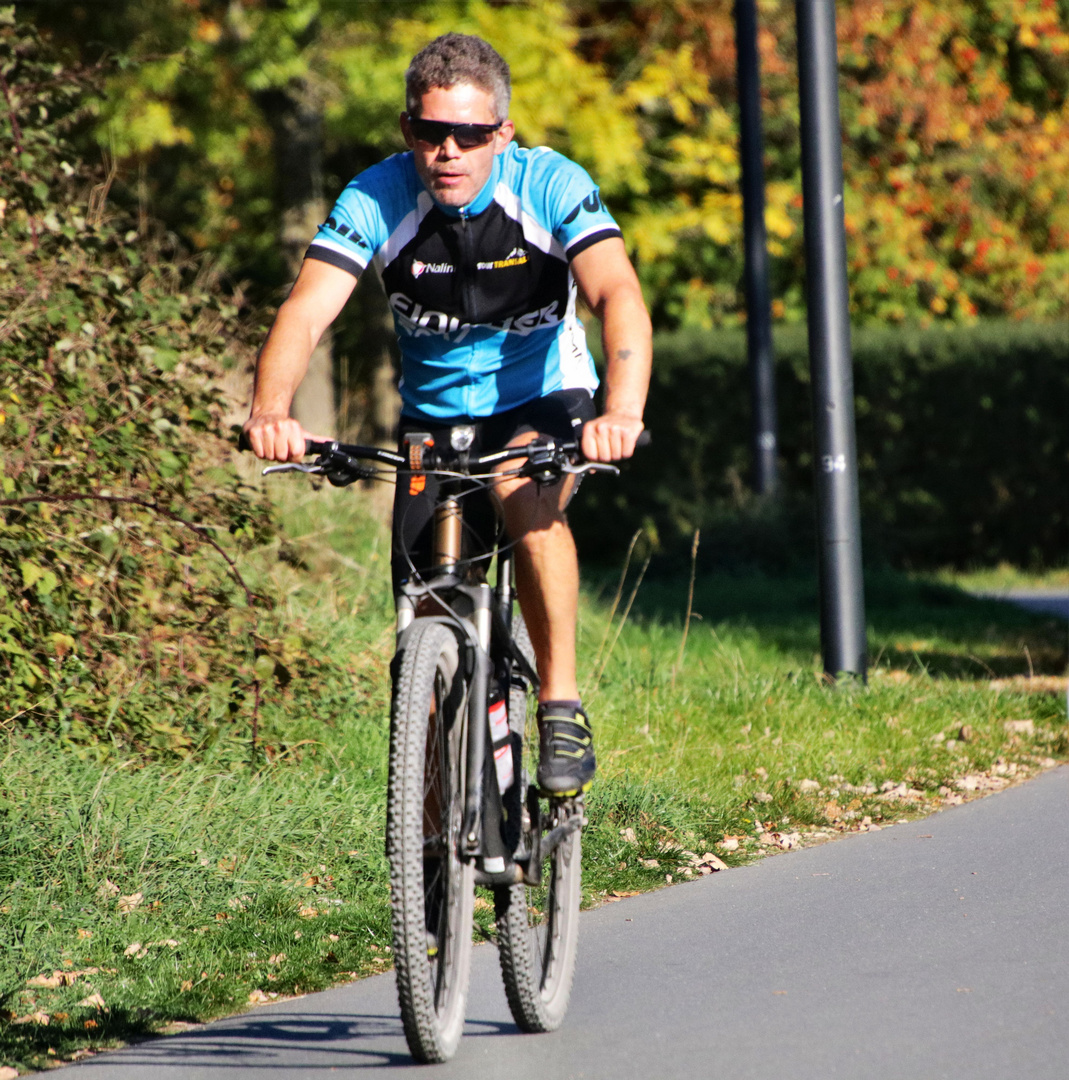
{"points": [[482, 296]]}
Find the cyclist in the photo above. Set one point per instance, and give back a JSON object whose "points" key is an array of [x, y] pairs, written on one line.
{"points": [[481, 246]]}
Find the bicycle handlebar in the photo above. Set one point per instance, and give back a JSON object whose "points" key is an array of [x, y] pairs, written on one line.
{"points": [[343, 463]]}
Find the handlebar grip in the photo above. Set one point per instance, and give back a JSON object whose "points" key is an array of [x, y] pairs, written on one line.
{"points": [[644, 438], [243, 441]]}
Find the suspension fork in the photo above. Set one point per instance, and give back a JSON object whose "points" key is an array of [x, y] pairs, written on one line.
{"points": [[478, 722]]}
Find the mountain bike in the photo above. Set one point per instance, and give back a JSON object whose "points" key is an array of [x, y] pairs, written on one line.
{"points": [[462, 804]]}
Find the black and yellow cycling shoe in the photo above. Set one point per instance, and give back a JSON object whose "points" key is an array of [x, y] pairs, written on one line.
{"points": [[566, 760]]}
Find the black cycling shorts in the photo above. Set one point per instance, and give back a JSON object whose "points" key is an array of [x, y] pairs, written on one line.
{"points": [[560, 415]]}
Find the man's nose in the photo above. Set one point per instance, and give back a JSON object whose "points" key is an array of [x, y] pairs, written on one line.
{"points": [[449, 149]]}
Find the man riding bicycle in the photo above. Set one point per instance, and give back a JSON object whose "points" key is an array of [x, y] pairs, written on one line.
{"points": [[481, 246]]}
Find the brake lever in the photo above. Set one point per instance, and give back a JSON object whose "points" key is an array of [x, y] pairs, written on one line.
{"points": [[294, 466], [591, 467]]}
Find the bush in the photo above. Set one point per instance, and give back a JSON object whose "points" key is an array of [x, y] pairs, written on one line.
{"points": [[962, 447], [121, 611]]}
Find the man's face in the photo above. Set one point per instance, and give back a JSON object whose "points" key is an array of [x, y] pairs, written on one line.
{"points": [[452, 175]]}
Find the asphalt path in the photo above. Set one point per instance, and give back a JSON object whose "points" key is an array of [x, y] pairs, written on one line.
{"points": [[934, 949], [1038, 601]]}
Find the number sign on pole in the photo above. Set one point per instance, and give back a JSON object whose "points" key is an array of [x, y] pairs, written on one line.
{"points": [[842, 607]]}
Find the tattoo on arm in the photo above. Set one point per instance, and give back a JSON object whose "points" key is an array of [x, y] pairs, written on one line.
{"points": [[623, 354]]}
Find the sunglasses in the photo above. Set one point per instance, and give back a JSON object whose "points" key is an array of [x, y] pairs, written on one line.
{"points": [[466, 136]]}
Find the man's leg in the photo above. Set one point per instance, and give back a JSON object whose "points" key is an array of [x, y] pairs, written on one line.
{"points": [[547, 578]]}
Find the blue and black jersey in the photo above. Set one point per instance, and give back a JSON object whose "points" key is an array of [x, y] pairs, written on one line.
{"points": [[482, 296]]}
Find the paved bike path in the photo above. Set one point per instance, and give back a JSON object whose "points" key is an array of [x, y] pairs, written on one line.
{"points": [[935, 949]]}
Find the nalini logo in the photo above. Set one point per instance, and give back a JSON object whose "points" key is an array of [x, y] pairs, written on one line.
{"points": [[419, 268]]}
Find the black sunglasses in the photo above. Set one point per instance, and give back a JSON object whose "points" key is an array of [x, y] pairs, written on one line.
{"points": [[466, 136]]}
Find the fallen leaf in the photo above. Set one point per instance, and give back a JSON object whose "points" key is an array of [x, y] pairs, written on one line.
{"points": [[135, 949], [186, 986], [709, 862], [612, 896], [308, 912], [650, 864], [729, 843], [628, 834], [107, 890], [85, 933], [481, 905], [8, 1073], [38, 1017], [258, 997], [89, 1024], [762, 796], [809, 785], [1020, 727], [48, 982], [94, 1000], [832, 810], [277, 958], [130, 903]]}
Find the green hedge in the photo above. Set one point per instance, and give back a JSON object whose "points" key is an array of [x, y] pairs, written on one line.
{"points": [[963, 447]]}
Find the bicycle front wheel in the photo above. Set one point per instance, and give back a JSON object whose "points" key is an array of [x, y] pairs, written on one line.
{"points": [[538, 927], [432, 889]]}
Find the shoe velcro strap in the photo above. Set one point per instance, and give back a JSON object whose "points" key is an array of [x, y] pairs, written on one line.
{"points": [[564, 727]]}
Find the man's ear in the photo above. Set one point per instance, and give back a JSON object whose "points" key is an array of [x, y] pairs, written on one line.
{"points": [[406, 131], [503, 136]]}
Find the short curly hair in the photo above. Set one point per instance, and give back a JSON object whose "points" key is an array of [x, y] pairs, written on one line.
{"points": [[458, 58]]}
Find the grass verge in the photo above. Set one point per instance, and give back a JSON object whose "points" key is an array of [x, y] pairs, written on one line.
{"points": [[136, 895]]}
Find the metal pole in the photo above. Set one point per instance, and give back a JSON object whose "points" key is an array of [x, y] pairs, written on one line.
{"points": [[755, 271], [842, 605]]}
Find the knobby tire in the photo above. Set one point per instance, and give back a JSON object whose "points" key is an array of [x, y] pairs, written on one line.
{"points": [[432, 890], [538, 928]]}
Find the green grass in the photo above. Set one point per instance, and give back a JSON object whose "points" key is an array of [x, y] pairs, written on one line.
{"points": [[268, 877]]}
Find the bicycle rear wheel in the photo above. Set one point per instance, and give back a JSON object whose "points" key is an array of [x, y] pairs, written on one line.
{"points": [[432, 891], [538, 927]]}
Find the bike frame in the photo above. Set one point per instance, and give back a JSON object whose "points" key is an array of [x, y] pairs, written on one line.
{"points": [[483, 616]]}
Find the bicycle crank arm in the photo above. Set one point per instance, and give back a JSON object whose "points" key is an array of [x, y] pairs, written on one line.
{"points": [[557, 836]]}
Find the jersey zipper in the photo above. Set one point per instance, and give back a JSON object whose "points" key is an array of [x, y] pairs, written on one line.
{"points": [[467, 268]]}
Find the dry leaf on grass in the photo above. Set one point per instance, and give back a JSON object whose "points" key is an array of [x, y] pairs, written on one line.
{"points": [[93, 1001], [612, 896], [130, 903], [108, 889], [483, 905], [38, 1017], [8, 1073], [60, 978]]}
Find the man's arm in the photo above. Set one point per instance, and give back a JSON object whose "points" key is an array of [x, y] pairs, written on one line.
{"points": [[318, 295], [610, 287]]}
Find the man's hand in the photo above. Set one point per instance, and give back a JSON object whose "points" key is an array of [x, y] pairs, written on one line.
{"points": [[275, 437], [611, 436]]}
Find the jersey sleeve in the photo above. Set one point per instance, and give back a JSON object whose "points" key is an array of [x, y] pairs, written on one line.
{"points": [[356, 227], [578, 218]]}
